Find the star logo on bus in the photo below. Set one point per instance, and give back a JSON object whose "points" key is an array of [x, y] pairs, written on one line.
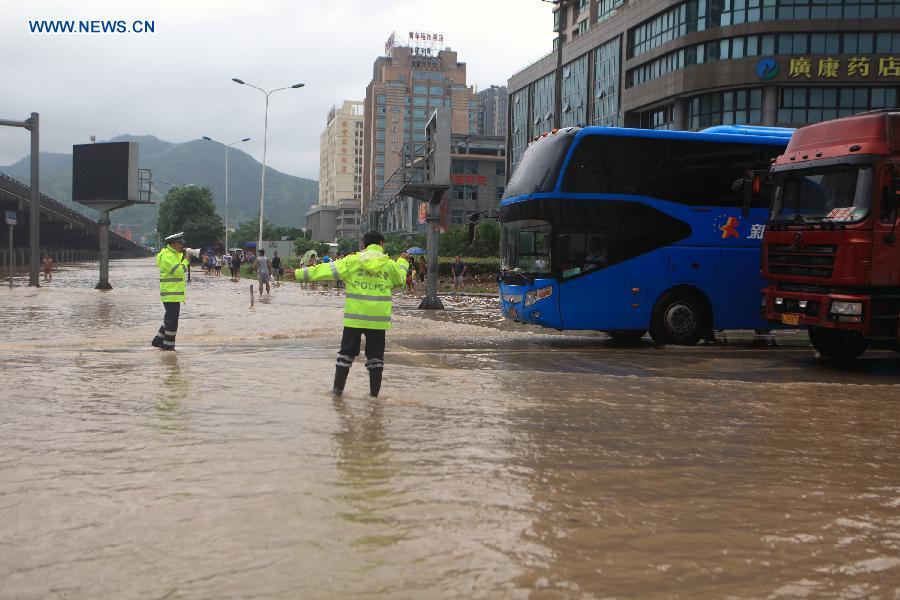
{"points": [[730, 228]]}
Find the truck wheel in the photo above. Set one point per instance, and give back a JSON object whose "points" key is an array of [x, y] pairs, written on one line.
{"points": [[680, 317], [626, 337], [837, 344]]}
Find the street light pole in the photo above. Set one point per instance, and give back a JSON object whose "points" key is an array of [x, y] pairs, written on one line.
{"points": [[34, 220], [227, 147], [262, 191]]}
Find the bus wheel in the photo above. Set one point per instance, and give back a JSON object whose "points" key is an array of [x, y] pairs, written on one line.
{"points": [[680, 317], [626, 337], [833, 343]]}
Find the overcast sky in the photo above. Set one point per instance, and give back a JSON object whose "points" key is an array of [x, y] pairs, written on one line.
{"points": [[176, 83]]}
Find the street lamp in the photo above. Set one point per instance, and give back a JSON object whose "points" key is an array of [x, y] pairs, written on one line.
{"points": [[227, 146], [262, 191]]}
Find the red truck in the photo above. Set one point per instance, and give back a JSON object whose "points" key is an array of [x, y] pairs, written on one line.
{"points": [[830, 249]]}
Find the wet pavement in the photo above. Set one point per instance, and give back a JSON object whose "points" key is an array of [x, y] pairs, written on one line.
{"points": [[501, 461]]}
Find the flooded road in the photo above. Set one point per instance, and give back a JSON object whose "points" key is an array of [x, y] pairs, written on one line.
{"points": [[500, 461]]}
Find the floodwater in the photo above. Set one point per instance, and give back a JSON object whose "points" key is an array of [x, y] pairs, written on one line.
{"points": [[500, 461]]}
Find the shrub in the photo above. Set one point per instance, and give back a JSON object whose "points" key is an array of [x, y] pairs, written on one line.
{"points": [[475, 266]]}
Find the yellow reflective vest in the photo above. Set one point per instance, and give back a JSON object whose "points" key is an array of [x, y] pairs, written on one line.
{"points": [[172, 267], [368, 277]]}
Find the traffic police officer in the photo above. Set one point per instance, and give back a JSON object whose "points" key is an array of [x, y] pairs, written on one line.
{"points": [[369, 276], [172, 266]]}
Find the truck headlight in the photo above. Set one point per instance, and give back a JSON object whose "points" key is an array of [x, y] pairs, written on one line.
{"points": [[538, 294], [846, 308]]}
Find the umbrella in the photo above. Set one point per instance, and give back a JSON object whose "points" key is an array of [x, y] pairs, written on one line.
{"points": [[416, 250]]}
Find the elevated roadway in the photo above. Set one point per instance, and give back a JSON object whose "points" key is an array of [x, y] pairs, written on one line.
{"points": [[61, 228]]}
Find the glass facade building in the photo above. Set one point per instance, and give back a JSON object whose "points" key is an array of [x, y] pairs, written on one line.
{"points": [[408, 86], [700, 63]]}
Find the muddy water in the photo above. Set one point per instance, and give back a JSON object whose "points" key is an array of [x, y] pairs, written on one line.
{"points": [[500, 461]]}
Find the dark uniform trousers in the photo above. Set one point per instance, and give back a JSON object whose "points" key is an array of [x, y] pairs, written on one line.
{"points": [[350, 343], [165, 338]]}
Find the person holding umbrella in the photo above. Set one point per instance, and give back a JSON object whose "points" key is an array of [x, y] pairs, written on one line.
{"points": [[410, 276]]}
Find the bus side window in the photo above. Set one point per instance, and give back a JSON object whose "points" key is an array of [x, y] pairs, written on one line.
{"points": [[597, 248], [579, 252], [586, 171]]}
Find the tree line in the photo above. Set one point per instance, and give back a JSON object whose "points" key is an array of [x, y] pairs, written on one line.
{"points": [[191, 209]]}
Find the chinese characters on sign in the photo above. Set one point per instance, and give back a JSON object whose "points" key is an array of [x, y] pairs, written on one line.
{"points": [[420, 43], [460, 179], [756, 231], [831, 68], [437, 37], [841, 214]]}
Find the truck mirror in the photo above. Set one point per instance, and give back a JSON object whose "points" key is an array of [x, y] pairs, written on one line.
{"points": [[895, 193]]}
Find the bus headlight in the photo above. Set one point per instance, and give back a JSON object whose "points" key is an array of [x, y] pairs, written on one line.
{"points": [[538, 294], [846, 308]]}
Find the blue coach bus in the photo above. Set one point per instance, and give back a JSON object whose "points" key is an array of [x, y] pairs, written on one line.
{"points": [[629, 230]]}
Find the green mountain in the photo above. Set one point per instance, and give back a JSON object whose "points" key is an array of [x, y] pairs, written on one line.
{"points": [[199, 162]]}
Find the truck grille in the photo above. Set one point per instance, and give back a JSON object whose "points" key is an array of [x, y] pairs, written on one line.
{"points": [[792, 305], [810, 261]]}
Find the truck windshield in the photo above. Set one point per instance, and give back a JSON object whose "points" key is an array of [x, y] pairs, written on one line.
{"points": [[526, 247], [835, 193]]}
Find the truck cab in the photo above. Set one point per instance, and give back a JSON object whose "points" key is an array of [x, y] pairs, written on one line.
{"points": [[830, 250]]}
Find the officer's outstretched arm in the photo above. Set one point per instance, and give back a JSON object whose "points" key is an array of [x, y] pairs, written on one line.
{"points": [[321, 272], [398, 272]]}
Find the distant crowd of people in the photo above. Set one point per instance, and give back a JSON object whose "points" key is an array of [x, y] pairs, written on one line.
{"points": [[270, 271]]}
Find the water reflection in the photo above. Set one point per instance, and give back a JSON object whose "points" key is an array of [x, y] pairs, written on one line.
{"points": [[175, 387], [365, 465], [499, 463], [638, 490]]}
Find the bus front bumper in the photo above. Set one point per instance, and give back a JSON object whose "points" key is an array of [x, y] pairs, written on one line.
{"points": [[536, 304]]}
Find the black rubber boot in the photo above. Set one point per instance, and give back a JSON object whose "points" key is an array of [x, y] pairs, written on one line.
{"points": [[340, 379], [157, 342], [375, 382]]}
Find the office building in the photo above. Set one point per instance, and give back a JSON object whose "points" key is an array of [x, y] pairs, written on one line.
{"points": [[492, 106], [693, 64], [417, 75], [340, 154]]}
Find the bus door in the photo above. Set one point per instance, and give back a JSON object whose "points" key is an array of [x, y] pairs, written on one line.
{"points": [[594, 293]]}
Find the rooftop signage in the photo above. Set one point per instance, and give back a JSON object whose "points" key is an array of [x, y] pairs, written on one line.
{"points": [[421, 43]]}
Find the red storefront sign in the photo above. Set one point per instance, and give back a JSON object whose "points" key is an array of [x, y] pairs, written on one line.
{"points": [[460, 179]]}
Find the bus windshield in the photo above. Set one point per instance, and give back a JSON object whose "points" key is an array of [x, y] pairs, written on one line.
{"points": [[839, 193], [540, 165], [526, 247]]}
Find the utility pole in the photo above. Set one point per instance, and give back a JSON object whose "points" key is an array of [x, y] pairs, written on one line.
{"points": [[34, 224]]}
